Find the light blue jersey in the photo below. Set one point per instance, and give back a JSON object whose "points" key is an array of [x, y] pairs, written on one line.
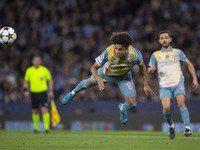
{"points": [[114, 66], [117, 71], [168, 66]]}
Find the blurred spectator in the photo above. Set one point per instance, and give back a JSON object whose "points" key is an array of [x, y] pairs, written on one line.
{"points": [[71, 33]]}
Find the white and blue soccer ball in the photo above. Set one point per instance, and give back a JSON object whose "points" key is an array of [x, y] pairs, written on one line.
{"points": [[7, 35]]}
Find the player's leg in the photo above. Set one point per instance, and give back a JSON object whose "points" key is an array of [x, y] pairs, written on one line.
{"points": [[166, 104], [127, 88], [130, 103], [184, 113], [84, 84], [45, 111], [36, 120], [46, 118], [35, 112], [180, 97], [166, 96]]}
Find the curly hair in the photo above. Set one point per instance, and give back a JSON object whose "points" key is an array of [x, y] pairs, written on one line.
{"points": [[122, 38]]}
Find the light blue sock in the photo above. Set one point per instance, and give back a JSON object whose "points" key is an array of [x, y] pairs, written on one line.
{"points": [[185, 116], [168, 117], [127, 106], [81, 86]]}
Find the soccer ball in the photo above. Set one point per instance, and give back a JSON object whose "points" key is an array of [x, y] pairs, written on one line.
{"points": [[7, 35]]}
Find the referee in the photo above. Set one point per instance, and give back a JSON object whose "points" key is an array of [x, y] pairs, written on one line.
{"points": [[36, 78]]}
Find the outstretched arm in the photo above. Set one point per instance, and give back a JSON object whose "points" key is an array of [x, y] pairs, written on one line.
{"points": [[144, 76], [101, 81], [192, 72]]}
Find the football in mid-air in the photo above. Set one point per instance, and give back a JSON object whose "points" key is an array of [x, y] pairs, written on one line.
{"points": [[7, 35]]}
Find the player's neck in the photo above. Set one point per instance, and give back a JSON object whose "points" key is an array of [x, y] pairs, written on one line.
{"points": [[36, 67], [166, 48]]}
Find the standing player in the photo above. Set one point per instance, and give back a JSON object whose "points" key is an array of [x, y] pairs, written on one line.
{"points": [[171, 80], [37, 77], [113, 66]]}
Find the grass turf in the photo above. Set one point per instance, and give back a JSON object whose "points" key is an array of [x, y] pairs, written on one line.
{"points": [[118, 140]]}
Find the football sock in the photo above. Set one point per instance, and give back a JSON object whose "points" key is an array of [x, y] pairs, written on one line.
{"points": [[127, 106], [46, 120], [185, 116], [36, 120], [81, 86], [168, 117]]}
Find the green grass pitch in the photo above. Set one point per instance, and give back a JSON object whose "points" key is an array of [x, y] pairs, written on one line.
{"points": [[118, 140]]}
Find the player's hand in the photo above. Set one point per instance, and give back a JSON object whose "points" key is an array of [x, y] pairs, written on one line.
{"points": [[147, 90], [101, 83], [151, 70], [26, 94], [195, 84], [51, 94]]}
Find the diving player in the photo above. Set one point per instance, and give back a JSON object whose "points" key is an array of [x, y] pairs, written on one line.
{"points": [[114, 66], [171, 80]]}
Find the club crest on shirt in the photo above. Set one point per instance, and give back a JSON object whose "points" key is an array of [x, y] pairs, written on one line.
{"points": [[41, 78], [167, 56]]}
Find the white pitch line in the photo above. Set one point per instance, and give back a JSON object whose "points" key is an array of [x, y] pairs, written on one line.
{"points": [[111, 136], [133, 136]]}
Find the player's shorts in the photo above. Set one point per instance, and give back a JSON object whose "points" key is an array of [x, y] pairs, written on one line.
{"points": [[125, 82], [39, 99], [172, 91]]}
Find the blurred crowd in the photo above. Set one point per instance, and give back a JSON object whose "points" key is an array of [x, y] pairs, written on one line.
{"points": [[70, 34]]}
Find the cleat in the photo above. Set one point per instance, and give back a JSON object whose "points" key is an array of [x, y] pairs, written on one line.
{"points": [[172, 132], [68, 98], [123, 115], [187, 132], [36, 131]]}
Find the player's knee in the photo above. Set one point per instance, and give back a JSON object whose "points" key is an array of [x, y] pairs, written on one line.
{"points": [[44, 110], [166, 108], [35, 111], [181, 105]]}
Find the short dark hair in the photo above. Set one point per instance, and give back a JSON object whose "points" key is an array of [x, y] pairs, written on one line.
{"points": [[122, 38], [165, 31]]}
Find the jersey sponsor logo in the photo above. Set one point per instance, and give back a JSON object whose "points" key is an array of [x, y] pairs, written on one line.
{"points": [[167, 62]]}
